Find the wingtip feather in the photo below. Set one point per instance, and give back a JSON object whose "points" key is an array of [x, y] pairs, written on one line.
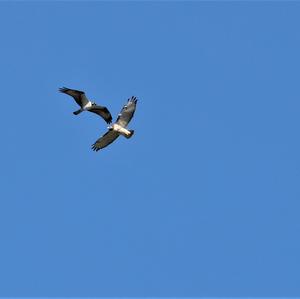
{"points": [[95, 148], [63, 89], [133, 99]]}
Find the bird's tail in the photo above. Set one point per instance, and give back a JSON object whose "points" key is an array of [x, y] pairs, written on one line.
{"points": [[130, 135], [77, 112]]}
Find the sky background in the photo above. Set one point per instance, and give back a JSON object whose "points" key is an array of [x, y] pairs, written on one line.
{"points": [[204, 200]]}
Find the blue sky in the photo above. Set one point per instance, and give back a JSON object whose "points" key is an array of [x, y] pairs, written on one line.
{"points": [[202, 201]]}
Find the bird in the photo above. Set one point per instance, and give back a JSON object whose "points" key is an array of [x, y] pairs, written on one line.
{"points": [[87, 105], [119, 127]]}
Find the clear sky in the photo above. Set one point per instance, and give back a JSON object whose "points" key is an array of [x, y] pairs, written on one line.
{"points": [[204, 200]]}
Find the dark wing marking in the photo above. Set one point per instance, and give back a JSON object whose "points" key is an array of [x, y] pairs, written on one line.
{"points": [[79, 96], [102, 111], [127, 112], [105, 140]]}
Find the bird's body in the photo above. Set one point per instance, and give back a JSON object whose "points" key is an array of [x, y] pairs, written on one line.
{"points": [[119, 127], [87, 105], [121, 130]]}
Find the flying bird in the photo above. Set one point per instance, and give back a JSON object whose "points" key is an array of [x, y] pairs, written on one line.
{"points": [[119, 127], [87, 105]]}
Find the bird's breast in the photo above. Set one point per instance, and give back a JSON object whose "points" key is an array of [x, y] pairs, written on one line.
{"points": [[87, 106], [121, 130]]}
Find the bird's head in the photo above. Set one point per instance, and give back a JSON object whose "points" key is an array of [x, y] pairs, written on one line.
{"points": [[94, 104], [110, 128]]}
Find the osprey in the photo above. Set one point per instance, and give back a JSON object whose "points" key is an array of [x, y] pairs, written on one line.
{"points": [[119, 127], [87, 105]]}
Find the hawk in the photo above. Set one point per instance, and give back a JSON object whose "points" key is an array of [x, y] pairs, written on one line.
{"points": [[119, 127], [86, 105]]}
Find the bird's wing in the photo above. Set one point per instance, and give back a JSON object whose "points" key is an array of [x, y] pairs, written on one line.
{"points": [[105, 140], [102, 111], [79, 96], [127, 112]]}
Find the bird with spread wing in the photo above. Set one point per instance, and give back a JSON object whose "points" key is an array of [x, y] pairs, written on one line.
{"points": [[119, 127], [87, 105]]}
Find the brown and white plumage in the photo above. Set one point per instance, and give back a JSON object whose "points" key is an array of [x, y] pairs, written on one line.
{"points": [[86, 105], [119, 127]]}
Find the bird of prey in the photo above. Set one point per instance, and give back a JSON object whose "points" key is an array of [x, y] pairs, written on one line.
{"points": [[119, 127], [87, 105]]}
